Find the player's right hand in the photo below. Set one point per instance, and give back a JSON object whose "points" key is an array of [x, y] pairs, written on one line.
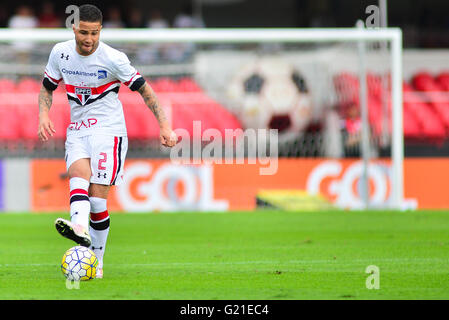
{"points": [[46, 128]]}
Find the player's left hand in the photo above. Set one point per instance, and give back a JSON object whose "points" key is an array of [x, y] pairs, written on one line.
{"points": [[168, 137]]}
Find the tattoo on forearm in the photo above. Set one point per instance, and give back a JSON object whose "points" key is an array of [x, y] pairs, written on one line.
{"points": [[152, 102], [45, 99]]}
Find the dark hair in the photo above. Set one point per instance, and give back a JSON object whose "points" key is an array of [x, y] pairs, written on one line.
{"points": [[90, 13]]}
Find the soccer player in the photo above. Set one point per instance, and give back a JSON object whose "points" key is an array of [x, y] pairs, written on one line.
{"points": [[96, 143]]}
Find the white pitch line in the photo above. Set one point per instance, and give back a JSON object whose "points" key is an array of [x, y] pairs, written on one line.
{"points": [[299, 262]]}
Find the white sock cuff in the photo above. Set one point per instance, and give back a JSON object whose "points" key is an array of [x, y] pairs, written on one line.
{"points": [[79, 183], [97, 204]]}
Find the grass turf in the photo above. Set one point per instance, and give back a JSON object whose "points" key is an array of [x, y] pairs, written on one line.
{"points": [[246, 255]]}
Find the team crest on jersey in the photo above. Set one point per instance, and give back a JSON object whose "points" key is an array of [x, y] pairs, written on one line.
{"points": [[102, 74], [83, 94]]}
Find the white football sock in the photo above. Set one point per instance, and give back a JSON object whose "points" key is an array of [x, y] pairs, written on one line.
{"points": [[99, 227], [79, 201]]}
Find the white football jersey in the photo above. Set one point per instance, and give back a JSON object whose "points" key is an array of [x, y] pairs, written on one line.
{"points": [[92, 83]]}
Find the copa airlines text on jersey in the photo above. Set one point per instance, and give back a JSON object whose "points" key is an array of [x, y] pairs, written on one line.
{"points": [[79, 73]]}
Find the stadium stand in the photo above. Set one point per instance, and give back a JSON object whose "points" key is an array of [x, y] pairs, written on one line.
{"points": [[426, 103], [426, 108], [433, 90], [183, 98]]}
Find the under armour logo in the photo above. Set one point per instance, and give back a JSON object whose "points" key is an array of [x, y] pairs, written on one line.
{"points": [[66, 57], [100, 174], [98, 248]]}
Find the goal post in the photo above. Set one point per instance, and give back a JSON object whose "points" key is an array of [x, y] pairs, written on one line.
{"points": [[212, 35], [392, 36]]}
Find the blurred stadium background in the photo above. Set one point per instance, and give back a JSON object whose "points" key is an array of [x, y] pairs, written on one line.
{"points": [[307, 91]]}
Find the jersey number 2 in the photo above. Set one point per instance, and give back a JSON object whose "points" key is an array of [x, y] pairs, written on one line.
{"points": [[102, 160]]}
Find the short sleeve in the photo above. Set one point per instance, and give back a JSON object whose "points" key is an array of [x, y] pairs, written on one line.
{"points": [[127, 74], [52, 75]]}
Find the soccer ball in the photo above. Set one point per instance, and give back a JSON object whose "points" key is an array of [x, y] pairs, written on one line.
{"points": [[79, 264], [271, 94]]}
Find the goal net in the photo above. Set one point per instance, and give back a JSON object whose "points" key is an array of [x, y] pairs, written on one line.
{"points": [[327, 94]]}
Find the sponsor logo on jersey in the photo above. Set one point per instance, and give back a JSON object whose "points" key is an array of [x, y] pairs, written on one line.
{"points": [[102, 74], [82, 124], [79, 73]]}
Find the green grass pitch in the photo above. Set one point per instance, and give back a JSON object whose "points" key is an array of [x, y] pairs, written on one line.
{"points": [[243, 255]]}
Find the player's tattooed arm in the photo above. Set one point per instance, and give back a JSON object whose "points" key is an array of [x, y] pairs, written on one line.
{"points": [[46, 127], [167, 135], [45, 100], [153, 104]]}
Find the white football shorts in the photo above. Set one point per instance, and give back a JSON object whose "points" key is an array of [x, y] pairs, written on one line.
{"points": [[106, 153]]}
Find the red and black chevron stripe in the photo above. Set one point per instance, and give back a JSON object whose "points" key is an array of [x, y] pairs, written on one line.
{"points": [[96, 92]]}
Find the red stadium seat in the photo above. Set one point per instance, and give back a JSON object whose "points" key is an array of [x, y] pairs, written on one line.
{"points": [[432, 89], [210, 116], [375, 114], [164, 85], [222, 118], [184, 117], [9, 123], [205, 114], [60, 116], [7, 86], [412, 128], [28, 85], [140, 123], [60, 113], [29, 122], [347, 88], [443, 80], [375, 85], [431, 124], [188, 85], [424, 81]]}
